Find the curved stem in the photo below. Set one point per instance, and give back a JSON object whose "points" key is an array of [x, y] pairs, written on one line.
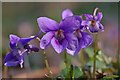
{"points": [[95, 11], [47, 65], [95, 52]]}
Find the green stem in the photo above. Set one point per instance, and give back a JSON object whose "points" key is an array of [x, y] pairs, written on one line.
{"points": [[82, 58], [46, 61], [47, 65], [71, 72], [66, 64], [95, 52]]}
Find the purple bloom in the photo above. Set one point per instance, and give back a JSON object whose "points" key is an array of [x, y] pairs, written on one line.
{"points": [[59, 35], [68, 34], [93, 22], [84, 39], [19, 47]]}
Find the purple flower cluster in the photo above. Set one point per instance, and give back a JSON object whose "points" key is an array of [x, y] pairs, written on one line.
{"points": [[93, 22], [69, 34], [19, 48]]}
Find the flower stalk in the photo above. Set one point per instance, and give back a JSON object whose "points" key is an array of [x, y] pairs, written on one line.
{"points": [[47, 65], [95, 46], [95, 53], [66, 64], [65, 61], [46, 61], [71, 72]]}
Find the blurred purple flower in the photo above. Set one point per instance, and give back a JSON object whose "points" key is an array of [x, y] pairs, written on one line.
{"points": [[84, 39], [93, 22], [19, 47]]}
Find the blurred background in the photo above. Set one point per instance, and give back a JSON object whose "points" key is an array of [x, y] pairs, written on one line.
{"points": [[20, 19]]}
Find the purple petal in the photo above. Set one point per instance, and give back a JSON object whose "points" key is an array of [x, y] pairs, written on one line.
{"points": [[101, 27], [84, 22], [86, 40], [24, 41], [44, 42], [88, 17], [93, 29], [15, 62], [12, 63], [59, 46], [9, 56], [72, 41], [13, 40], [78, 49], [66, 13], [12, 46], [13, 55], [69, 24], [74, 52], [78, 18], [47, 24], [12, 59], [71, 52], [99, 16]]}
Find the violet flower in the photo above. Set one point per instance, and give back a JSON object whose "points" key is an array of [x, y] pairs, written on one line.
{"points": [[93, 22], [67, 34], [19, 47], [59, 35], [84, 39]]}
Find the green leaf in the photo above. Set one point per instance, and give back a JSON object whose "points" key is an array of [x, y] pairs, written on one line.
{"points": [[111, 77], [99, 64], [63, 73], [90, 52], [73, 71], [77, 72]]}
